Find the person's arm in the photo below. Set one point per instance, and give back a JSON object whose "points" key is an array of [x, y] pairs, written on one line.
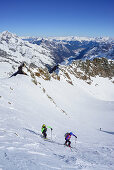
{"points": [[49, 127], [74, 135], [42, 129]]}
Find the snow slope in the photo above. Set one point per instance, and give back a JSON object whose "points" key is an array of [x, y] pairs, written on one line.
{"points": [[24, 107]]}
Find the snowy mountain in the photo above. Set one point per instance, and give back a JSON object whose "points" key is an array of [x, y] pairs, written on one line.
{"points": [[14, 50], [78, 97]]}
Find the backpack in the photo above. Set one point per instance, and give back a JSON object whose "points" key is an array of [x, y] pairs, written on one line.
{"points": [[66, 134]]}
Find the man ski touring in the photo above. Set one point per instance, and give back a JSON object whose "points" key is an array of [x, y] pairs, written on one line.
{"points": [[44, 130], [67, 138]]}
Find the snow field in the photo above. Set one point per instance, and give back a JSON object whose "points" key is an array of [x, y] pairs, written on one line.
{"points": [[24, 107]]}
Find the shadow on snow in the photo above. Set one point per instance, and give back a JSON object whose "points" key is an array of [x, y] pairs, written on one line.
{"points": [[48, 140], [111, 133]]}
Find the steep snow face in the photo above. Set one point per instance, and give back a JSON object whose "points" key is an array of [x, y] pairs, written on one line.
{"points": [[24, 107], [14, 50]]}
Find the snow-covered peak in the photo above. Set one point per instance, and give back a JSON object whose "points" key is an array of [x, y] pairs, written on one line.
{"points": [[8, 34], [14, 50], [9, 38]]}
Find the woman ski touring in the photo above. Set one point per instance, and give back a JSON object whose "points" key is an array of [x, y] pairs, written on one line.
{"points": [[67, 138]]}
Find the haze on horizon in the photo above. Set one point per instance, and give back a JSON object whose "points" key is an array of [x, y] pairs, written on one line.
{"points": [[58, 18]]}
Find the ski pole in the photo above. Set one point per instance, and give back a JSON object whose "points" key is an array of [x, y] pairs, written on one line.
{"points": [[51, 133], [75, 142]]}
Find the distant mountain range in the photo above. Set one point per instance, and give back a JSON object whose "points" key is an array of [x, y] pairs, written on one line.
{"points": [[76, 47]]}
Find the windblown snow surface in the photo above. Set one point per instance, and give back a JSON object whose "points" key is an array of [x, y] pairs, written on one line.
{"points": [[82, 109]]}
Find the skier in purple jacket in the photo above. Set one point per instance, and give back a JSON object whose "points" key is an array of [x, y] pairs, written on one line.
{"points": [[67, 138]]}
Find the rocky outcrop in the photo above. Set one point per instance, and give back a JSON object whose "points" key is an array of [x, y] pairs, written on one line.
{"points": [[85, 70], [20, 70]]}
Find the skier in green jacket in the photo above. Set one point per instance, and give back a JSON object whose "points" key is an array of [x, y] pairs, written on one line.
{"points": [[44, 130]]}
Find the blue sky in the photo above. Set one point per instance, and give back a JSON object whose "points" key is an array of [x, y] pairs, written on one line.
{"points": [[58, 17]]}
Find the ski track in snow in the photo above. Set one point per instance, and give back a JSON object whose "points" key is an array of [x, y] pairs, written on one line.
{"points": [[31, 150]]}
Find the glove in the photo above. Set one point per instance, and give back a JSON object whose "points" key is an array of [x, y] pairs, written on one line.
{"points": [[75, 136], [51, 129]]}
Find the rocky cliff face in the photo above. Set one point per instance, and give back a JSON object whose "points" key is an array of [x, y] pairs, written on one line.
{"points": [[85, 70]]}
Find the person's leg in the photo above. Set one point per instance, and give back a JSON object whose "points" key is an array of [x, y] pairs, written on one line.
{"points": [[69, 142], [65, 142], [45, 135]]}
